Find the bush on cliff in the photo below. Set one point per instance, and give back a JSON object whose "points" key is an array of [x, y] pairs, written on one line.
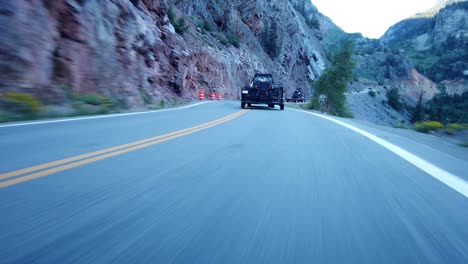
{"points": [[180, 25]]}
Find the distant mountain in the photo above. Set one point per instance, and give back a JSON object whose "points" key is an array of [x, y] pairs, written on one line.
{"points": [[436, 40]]}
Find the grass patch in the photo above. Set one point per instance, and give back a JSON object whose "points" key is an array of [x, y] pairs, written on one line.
{"points": [[93, 104], [97, 100], [222, 38], [233, 39], [204, 25], [452, 129], [401, 125], [145, 97], [427, 126], [3, 117], [464, 144], [23, 105], [161, 105], [300, 106]]}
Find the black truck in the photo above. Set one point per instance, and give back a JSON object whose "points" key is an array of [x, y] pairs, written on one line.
{"points": [[262, 90]]}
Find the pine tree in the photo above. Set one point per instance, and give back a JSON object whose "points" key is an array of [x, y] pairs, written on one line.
{"points": [[394, 99], [418, 113]]}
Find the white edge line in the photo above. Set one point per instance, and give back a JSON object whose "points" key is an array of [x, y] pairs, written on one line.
{"points": [[101, 116], [453, 181]]}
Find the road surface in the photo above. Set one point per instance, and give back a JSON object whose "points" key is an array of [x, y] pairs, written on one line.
{"points": [[216, 184]]}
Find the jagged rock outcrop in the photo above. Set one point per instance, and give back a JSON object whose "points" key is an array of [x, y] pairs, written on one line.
{"points": [[130, 50]]}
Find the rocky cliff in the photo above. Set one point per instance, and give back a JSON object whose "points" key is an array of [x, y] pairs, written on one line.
{"points": [[436, 41], [139, 52]]}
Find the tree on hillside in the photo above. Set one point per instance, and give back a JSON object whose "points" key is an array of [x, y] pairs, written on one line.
{"points": [[418, 112], [269, 40], [394, 99], [331, 86], [447, 108]]}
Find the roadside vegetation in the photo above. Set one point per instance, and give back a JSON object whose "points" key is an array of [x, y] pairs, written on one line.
{"points": [[435, 126], [330, 87], [16, 106], [19, 106], [428, 126], [449, 112], [93, 104]]}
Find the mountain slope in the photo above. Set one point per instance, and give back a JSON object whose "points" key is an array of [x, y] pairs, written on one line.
{"points": [[436, 40]]}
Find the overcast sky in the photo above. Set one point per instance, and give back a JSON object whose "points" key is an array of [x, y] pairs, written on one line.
{"points": [[370, 17]]}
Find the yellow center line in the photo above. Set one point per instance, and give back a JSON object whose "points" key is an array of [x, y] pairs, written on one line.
{"points": [[105, 153], [95, 153]]}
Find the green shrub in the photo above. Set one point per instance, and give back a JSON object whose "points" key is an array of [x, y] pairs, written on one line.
{"points": [[222, 38], [464, 144], [145, 97], [23, 103], [102, 105], [171, 15], [314, 103], [206, 25], [427, 126], [2, 117], [452, 129], [179, 24], [372, 93], [233, 39], [94, 99], [82, 108], [401, 126]]}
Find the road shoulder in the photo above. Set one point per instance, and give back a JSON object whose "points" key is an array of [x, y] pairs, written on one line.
{"points": [[433, 149]]}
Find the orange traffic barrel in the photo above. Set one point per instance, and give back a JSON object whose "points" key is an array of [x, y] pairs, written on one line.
{"points": [[219, 97], [201, 95], [212, 97]]}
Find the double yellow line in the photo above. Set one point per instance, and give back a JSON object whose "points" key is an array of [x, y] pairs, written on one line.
{"points": [[42, 170]]}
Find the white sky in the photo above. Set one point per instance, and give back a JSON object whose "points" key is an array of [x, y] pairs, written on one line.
{"points": [[370, 17]]}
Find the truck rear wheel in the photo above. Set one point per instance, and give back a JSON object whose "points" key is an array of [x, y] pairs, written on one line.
{"points": [[242, 105], [282, 106]]}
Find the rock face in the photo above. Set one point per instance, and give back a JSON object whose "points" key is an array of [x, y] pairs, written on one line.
{"points": [[436, 40], [446, 19], [130, 51]]}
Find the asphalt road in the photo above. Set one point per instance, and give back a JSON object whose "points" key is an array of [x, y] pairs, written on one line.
{"points": [[261, 186]]}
